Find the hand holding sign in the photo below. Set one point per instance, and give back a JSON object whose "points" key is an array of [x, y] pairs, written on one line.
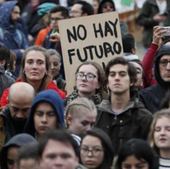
{"points": [[55, 37]]}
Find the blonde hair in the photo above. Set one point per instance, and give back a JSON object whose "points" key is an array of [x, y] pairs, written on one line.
{"points": [[157, 115], [75, 106]]}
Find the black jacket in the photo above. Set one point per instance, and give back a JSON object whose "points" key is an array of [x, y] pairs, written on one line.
{"points": [[153, 95], [9, 127], [133, 122], [5, 81]]}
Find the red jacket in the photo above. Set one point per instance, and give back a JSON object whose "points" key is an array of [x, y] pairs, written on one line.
{"points": [[147, 64], [4, 98]]}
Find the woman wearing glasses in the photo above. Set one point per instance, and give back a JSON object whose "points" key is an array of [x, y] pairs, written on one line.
{"points": [[90, 79], [96, 150]]}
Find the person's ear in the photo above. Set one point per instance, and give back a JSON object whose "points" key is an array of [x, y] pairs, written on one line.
{"points": [[3, 62], [69, 119], [133, 51], [85, 14], [98, 85]]}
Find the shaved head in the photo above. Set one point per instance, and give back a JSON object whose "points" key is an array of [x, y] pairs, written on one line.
{"points": [[20, 99], [21, 90]]}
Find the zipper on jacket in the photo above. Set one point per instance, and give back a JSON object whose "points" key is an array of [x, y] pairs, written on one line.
{"points": [[115, 118]]}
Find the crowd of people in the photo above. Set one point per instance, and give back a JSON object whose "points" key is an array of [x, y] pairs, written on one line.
{"points": [[116, 117]]}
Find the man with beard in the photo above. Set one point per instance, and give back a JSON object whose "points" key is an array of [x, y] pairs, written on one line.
{"points": [[15, 114], [10, 36]]}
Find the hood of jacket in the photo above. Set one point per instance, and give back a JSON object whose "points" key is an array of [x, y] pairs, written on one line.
{"points": [[102, 3], [5, 15], [18, 140], [53, 98], [164, 50], [133, 103]]}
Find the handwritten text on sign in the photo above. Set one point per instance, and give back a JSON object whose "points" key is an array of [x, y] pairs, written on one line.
{"points": [[96, 38]]}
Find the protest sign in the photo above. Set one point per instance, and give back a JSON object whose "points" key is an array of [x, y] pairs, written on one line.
{"points": [[92, 38]]}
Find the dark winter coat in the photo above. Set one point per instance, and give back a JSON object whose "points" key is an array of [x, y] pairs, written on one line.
{"points": [[9, 126], [10, 36], [153, 95], [133, 122], [5, 81]]}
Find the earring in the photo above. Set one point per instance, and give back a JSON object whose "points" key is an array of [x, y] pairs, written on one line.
{"points": [[23, 72]]}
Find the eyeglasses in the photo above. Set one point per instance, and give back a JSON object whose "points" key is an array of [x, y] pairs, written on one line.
{"points": [[89, 77], [75, 12], [164, 62], [95, 151]]}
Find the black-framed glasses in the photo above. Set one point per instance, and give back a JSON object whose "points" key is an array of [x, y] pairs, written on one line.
{"points": [[89, 77], [75, 12], [95, 151], [56, 19], [164, 62]]}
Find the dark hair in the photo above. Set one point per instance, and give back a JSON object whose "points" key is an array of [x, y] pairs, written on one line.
{"points": [[60, 135], [64, 11], [86, 7], [28, 151], [141, 150], [70, 2], [46, 80], [10, 62], [4, 54], [100, 73], [106, 144], [120, 60], [103, 2], [128, 42], [139, 63]]}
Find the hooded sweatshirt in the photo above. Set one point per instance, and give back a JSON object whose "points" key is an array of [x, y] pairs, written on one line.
{"points": [[51, 97], [18, 140], [10, 36], [153, 95]]}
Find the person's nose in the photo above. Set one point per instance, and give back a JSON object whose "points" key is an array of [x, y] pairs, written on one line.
{"points": [[162, 132], [117, 77], [89, 153], [19, 114], [44, 119], [58, 162], [52, 66], [84, 78], [88, 127], [168, 66], [35, 65]]}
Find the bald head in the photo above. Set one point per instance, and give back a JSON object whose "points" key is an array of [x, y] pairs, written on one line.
{"points": [[21, 90], [20, 98]]}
